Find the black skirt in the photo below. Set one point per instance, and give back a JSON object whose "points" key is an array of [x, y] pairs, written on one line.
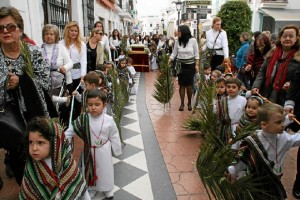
{"points": [[186, 77]]}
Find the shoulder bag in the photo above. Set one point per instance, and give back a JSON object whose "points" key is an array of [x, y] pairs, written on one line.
{"points": [[12, 124], [212, 52]]}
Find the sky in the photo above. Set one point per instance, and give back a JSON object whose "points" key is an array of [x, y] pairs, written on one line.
{"points": [[151, 7]]}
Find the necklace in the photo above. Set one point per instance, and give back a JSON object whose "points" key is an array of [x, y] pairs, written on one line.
{"points": [[277, 168], [98, 141]]}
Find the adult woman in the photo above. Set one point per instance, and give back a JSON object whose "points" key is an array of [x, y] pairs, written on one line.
{"points": [[104, 41], [240, 56], [77, 51], [292, 105], [216, 41], [28, 82], [161, 42], [57, 57], [146, 41], [115, 41], [262, 46], [186, 49], [278, 70], [95, 51]]}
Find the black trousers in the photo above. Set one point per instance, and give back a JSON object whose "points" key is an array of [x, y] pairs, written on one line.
{"points": [[216, 60]]}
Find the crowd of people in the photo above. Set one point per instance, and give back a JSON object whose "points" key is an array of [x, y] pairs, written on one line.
{"points": [[261, 90], [70, 79]]}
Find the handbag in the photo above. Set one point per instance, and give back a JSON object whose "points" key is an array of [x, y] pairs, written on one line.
{"points": [[12, 124], [212, 52]]}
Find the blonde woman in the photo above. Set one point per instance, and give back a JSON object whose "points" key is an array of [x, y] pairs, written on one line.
{"points": [[77, 51], [95, 50]]}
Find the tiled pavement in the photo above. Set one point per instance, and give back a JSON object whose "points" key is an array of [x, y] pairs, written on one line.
{"points": [[159, 156]]}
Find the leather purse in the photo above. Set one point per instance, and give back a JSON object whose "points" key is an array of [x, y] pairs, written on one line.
{"points": [[12, 124]]}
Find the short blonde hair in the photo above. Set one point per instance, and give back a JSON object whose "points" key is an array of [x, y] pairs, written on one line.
{"points": [[50, 27]]}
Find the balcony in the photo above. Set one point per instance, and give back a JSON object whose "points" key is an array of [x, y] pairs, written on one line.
{"points": [[273, 3]]}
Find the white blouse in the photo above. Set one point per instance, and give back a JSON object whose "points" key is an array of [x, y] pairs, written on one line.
{"points": [[105, 43], [63, 59], [77, 57], [114, 43], [191, 50], [221, 42]]}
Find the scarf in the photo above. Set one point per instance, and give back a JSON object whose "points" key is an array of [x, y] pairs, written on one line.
{"points": [[282, 65], [223, 116], [259, 166], [54, 56], [81, 128], [40, 182]]}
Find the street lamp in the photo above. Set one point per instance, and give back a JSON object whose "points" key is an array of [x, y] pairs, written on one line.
{"points": [[178, 7], [162, 22]]}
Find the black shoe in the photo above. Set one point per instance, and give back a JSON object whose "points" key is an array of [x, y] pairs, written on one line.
{"points": [[296, 193], [1, 183], [190, 107], [181, 107]]}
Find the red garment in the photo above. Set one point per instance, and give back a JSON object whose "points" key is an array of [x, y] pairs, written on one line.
{"points": [[28, 40], [280, 76], [256, 63]]}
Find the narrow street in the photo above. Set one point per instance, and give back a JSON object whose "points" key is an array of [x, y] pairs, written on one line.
{"points": [[158, 160]]}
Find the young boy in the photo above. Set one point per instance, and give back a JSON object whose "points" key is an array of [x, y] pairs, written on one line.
{"points": [[100, 136], [91, 81], [230, 109], [262, 154]]}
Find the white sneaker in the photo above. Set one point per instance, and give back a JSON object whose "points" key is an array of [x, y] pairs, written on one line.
{"points": [[92, 193], [109, 194]]}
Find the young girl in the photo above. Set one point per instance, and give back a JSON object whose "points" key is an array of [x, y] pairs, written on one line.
{"points": [[250, 116], [215, 75], [123, 71], [221, 88], [51, 171], [100, 135]]}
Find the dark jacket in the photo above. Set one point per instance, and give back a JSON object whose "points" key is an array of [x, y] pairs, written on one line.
{"points": [[268, 91]]}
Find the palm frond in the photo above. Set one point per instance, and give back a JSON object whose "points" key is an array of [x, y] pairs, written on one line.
{"points": [[25, 52], [164, 85]]}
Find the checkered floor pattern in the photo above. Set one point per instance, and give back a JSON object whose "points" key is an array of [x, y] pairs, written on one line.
{"points": [[132, 180]]}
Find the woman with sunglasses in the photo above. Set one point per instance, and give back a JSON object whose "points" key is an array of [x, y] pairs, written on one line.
{"points": [[95, 51], [27, 85], [104, 41]]}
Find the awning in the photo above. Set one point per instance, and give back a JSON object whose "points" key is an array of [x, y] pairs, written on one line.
{"points": [[107, 3], [283, 14]]}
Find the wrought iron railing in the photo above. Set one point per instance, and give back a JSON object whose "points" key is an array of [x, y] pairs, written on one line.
{"points": [[274, 1], [57, 12]]}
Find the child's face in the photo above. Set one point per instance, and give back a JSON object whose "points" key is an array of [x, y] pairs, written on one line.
{"points": [[221, 88], [232, 89], [251, 107], [123, 64], [95, 106], [207, 71], [214, 76], [89, 86], [108, 66], [39, 147], [275, 125]]}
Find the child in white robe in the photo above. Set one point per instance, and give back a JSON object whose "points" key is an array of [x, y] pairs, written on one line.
{"points": [[230, 109], [100, 135]]}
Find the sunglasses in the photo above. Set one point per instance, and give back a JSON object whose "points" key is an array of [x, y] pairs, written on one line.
{"points": [[100, 33], [9, 27]]}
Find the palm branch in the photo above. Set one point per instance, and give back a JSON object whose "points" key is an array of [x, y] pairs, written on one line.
{"points": [[120, 98], [25, 52], [164, 85]]}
